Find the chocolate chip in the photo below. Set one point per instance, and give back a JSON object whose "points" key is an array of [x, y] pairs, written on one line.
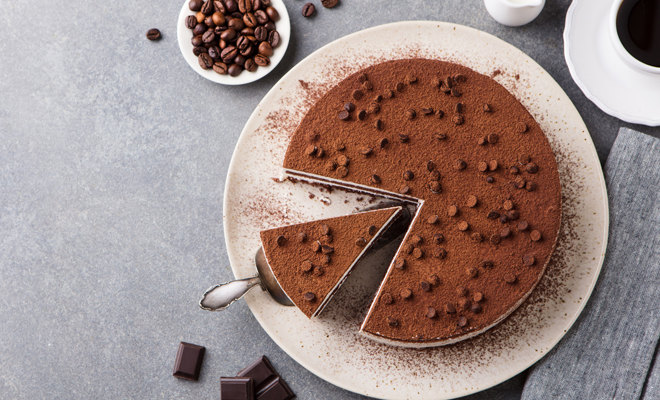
{"points": [[472, 201], [418, 253], [425, 286], [438, 238], [490, 179], [463, 226], [360, 242], [331, 165], [478, 297], [382, 143], [309, 296], [411, 114], [349, 107], [430, 166], [482, 166], [372, 230], [427, 111], [439, 252], [455, 92], [461, 291], [392, 321], [310, 150], [508, 205], [400, 87], [375, 178], [457, 119], [362, 115], [400, 263], [306, 266], [327, 249], [458, 107], [281, 240], [524, 159], [344, 115], [431, 313], [492, 214], [530, 186], [342, 171], [513, 215], [435, 187], [462, 322], [362, 78], [529, 260], [463, 303], [403, 138], [523, 225], [439, 113], [477, 237], [378, 98], [416, 240], [482, 141], [452, 211], [476, 308], [450, 308], [434, 280], [492, 165], [509, 278], [357, 94], [535, 236], [373, 108], [325, 260], [514, 170], [433, 219], [505, 232], [532, 168], [325, 229], [302, 237], [406, 293], [404, 189], [386, 298], [316, 246], [486, 107], [459, 165], [389, 93], [343, 160], [440, 136], [495, 239], [492, 138], [408, 175], [520, 182], [366, 151], [486, 264], [320, 153], [378, 124], [367, 85], [521, 127], [504, 219]]}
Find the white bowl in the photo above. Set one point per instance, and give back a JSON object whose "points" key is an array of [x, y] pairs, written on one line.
{"points": [[184, 36]]}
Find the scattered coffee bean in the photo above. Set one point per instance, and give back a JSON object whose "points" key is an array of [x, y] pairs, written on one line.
{"points": [[439, 113], [197, 51], [520, 182], [153, 34], [400, 87], [486, 264], [261, 60], [272, 13], [205, 61], [426, 111], [308, 10], [464, 303], [316, 246], [319, 270], [309, 296]]}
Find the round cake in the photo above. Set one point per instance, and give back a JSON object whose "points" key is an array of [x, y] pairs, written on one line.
{"points": [[479, 168]]}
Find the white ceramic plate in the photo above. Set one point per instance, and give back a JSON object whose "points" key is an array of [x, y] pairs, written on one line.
{"points": [[184, 37], [331, 347], [617, 88]]}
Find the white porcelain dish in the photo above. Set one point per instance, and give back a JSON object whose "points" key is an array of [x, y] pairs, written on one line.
{"points": [[184, 37], [331, 346], [614, 85]]}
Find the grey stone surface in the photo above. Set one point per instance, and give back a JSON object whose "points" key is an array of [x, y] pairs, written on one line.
{"points": [[113, 156]]}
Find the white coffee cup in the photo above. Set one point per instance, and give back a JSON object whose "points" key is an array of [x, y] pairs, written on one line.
{"points": [[618, 46]]}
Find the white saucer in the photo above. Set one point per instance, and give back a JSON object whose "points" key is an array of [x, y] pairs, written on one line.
{"points": [[614, 86], [184, 36]]}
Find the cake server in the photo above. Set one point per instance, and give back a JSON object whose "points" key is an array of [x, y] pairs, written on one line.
{"points": [[219, 297]]}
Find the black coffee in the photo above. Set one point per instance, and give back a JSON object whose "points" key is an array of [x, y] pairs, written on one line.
{"points": [[638, 27]]}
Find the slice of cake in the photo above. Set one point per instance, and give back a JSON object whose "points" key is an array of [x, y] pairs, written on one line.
{"points": [[312, 259], [481, 171]]}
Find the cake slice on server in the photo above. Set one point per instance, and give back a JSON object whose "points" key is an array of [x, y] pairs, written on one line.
{"points": [[311, 260]]}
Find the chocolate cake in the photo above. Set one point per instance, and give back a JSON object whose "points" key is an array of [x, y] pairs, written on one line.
{"points": [[312, 259], [481, 171]]}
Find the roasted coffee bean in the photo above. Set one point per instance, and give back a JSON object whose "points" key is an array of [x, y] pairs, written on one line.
{"points": [[229, 54], [219, 18], [309, 296], [209, 22], [205, 61], [362, 115], [199, 50], [248, 51], [245, 6], [250, 65], [237, 14], [208, 36], [153, 34], [200, 29], [274, 38], [265, 49], [250, 20], [200, 17], [220, 68], [197, 41], [229, 35], [261, 16], [195, 5], [219, 29], [242, 42], [270, 25], [214, 52], [222, 44], [261, 60], [220, 7], [273, 14], [256, 4], [240, 60], [236, 24], [231, 6], [329, 3], [261, 33], [247, 32], [191, 22], [208, 8], [308, 10], [252, 39], [235, 70]]}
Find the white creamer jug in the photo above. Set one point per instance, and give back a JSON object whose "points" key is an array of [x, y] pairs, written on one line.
{"points": [[514, 12]]}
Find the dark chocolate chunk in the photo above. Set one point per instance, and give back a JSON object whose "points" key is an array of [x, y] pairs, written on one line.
{"points": [[276, 389], [261, 371], [458, 107], [378, 124], [403, 138], [188, 362], [357, 94], [375, 178], [382, 143], [236, 388]]}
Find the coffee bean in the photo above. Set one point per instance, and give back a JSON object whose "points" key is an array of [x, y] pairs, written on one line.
{"points": [[270, 26], [219, 18], [191, 22], [214, 52], [256, 4], [208, 36], [274, 39], [231, 6], [344, 115], [228, 54], [273, 14], [240, 60], [245, 6], [247, 52], [309, 296], [208, 8], [220, 7], [199, 29], [438, 238], [261, 33], [220, 68], [209, 22], [329, 3], [463, 226], [242, 43], [392, 321], [205, 61], [433, 220], [452, 211], [265, 49], [236, 24], [411, 114], [308, 10], [360, 242], [529, 260], [535, 236], [235, 70], [261, 60], [195, 5], [199, 50], [250, 20], [228, 35], [261, 16], [406, 293]]}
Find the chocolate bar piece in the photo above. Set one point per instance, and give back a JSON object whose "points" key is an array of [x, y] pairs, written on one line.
{"points": [[276, 389], [236, 389], [188, 361], [261, 371]]}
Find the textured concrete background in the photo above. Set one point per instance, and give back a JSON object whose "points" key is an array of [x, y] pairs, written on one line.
{"points": [[113, 156]]}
